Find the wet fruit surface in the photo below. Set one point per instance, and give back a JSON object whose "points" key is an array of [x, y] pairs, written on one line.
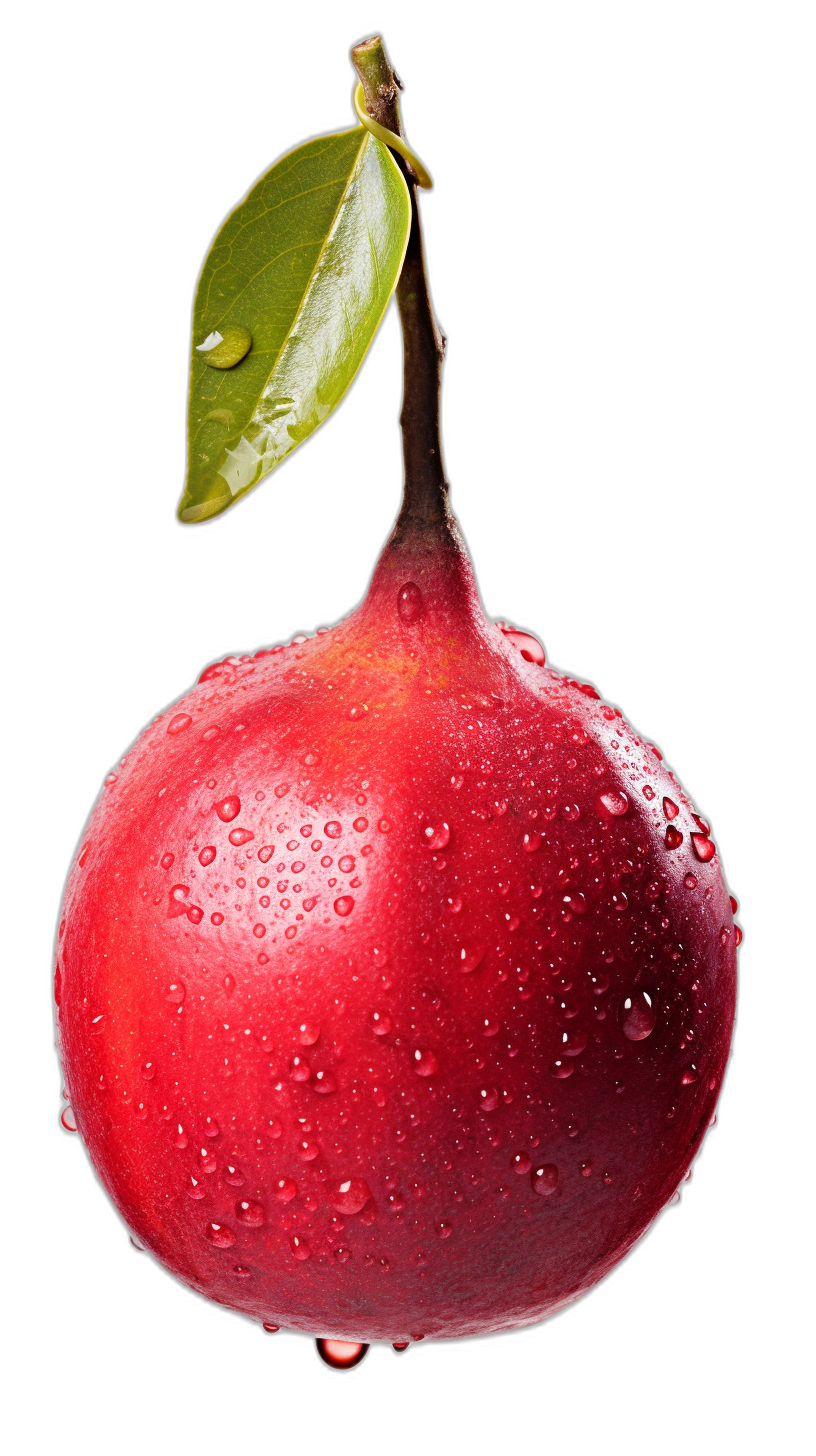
{"points": [[396, 975]]}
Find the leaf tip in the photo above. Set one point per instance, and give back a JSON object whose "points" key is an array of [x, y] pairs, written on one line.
{"points": [[190, 514]]}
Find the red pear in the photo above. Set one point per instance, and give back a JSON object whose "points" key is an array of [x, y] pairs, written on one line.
{"points": [[396, 974]]}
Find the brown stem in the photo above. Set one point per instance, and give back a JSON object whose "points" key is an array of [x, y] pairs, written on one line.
{"points": [[426, 489]]}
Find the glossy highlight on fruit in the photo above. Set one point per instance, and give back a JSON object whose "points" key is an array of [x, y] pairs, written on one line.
{"points": [[395, 979]]}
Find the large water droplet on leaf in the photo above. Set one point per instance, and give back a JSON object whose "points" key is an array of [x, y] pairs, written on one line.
{"points": [[225, 349]]}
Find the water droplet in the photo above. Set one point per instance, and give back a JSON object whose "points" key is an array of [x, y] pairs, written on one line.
{"points": [[648, 791], [68, 1119], [612, 804], [220, 1235], [228, 808], [344, 905], [265, 853], [573, 1043], [252, 1214], [233, 1176], [324, 1082], [400, 1345], [207, 855], [360, 825], [689, 1076], [175, 993], [444, 1230], [346, 863], [638, 1020], [285, 1189], [240, 836], [179, 723], [380, 1023], [217, 918], [544, 1179], [178, 906], [342, 1255], [673, 838], [357, 712], [436, 836], [528, 645], [299, 1069], [690, 882], [225, 348], [521, 1162], [350, 1196], [409, 603], [308, 1151], [470, 960], [333, 829], [703, 847], [425, 1063], [271, 1329], [562, 1069], [489, 1099], [341, 1354], [531, 842], [670, 809], [300, 1248]]}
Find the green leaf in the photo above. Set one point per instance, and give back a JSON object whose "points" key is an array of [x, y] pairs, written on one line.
{"points": [[304, 268]]}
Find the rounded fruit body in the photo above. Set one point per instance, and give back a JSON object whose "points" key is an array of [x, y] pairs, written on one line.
{"points": [[396, 975]]}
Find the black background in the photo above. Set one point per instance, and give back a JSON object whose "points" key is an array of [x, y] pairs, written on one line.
{"points": [[586, 243]]}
